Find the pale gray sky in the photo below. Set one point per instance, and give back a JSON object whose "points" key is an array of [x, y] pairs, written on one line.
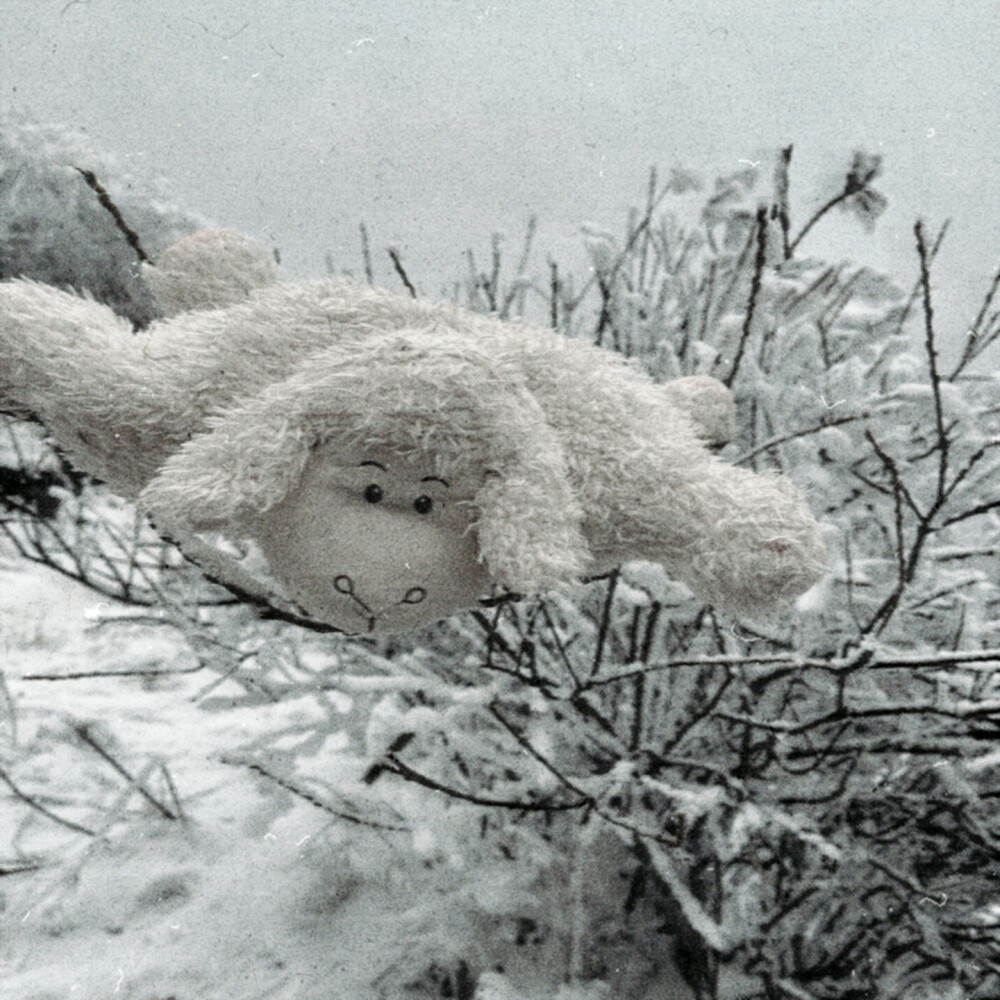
{"points": [[440, 122]]}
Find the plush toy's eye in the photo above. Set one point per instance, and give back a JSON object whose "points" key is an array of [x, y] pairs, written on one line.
{"points": [[423, 505], [373, 493]]}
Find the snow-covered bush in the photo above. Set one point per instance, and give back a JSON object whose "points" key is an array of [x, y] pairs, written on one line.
{"points": [[803, 804], [54, 227]]}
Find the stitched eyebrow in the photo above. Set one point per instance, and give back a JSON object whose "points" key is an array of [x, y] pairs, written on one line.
{"points": [[434, 479], [376, 464]]}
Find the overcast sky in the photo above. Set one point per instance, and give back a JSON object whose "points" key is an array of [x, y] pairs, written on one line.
{"points": [[438, 123]]}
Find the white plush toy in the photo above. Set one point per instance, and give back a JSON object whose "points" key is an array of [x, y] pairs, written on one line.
{"points": [[396, 460]]}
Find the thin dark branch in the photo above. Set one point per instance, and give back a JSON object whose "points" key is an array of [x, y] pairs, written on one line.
{"points": [[816, 216], [90, 674], [397, 263], [898, 493], [854, 184], [554, 295], [308, 796], [983, 508], [38, 807], [780, 663], [780, 439], [366, 254], [397, 767], [105, 199], [974, 346], [265, 608], [856, 713], [82, 732], [930, 345], [605, 624], [760, 262], [781, 183]]}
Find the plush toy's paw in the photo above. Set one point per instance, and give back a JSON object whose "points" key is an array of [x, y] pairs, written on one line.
{"points": [[764, 551], [709, 406], [209, 269]]}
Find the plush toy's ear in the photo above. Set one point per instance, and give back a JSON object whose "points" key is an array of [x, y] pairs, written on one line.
{"points": [[417, 393], [209, 269], [243, 464], [529, 521]]}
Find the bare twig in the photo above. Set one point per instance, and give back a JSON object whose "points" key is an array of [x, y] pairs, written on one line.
{"points": [[975, 343], [105, 199], [943, 442], [402, 770], [988, 659], [553, 295], [84, 734], [297, 789], [760, 262], [780, 439], [781, 184], [397, 263], [38, 807], [863, 171], [366, 254], [90, 674]]}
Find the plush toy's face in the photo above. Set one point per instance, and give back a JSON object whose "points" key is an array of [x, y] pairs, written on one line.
{"points": [[373, 542]]}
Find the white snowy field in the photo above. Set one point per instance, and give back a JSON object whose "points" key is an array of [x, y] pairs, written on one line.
{"points": [[251, 892], [231, 901]]}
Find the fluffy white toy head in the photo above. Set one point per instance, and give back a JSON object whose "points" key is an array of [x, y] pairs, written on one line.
{"points": [[421, 416], [371, 541]]}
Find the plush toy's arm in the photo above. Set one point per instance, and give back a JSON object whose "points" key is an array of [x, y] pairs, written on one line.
{"points": [[758, 544], [50, 343], [744, 541], [73, 364]]}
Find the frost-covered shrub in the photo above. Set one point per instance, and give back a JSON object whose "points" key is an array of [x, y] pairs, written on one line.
{"points": [[807, 791], [53, 227], [802, 804]]}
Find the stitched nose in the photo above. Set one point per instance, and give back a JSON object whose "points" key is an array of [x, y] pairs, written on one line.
{"points": [[344, 584]]}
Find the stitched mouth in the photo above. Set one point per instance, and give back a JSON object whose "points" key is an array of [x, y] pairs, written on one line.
{"points": [[414, 596], [344, 585]]}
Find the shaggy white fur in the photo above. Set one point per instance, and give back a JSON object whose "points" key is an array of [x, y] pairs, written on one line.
{"points": [[207, 270], [394, 457]]}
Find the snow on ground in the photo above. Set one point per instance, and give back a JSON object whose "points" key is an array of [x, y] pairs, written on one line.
{"points": [[235, 902], [255, 893]]}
